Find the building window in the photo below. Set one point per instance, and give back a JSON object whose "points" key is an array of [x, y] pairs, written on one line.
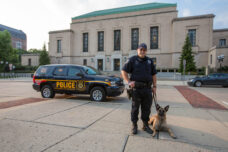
{"points": [[101, 41], [59, 49], [222, 42], [100, 64], [134, 38], [84, 62], [192, 36], [18, 45], [29, 62], [116, 65], [117, 35], [85, 42], [154, 37], [211, 58]]}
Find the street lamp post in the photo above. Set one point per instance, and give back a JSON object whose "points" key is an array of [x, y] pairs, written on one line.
{"points": [[2, 62], [220, 59]]}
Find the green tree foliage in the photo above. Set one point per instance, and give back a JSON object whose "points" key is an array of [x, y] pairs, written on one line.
{"points": [[7, 53], [34, 51], [188, 56], [14, 57], [44, 58], [5, 45]]}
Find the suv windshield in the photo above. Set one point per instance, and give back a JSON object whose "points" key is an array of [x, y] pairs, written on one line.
{"points": [[91, 71]]}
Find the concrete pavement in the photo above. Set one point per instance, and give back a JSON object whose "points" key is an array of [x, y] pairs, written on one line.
{"points": [[76, 124]]}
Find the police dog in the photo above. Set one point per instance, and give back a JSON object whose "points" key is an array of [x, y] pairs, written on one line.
{"points": [[158, 121]]}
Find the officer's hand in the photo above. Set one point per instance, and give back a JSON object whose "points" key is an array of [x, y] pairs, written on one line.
{"points": [[131, 84], [154, 90]]}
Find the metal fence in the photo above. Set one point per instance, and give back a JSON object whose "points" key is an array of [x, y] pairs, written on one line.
{"points": [[160, 75], [15, 75], [173, 76]]}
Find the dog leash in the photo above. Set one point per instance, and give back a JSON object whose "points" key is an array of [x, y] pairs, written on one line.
{"points": [[154, 98]]}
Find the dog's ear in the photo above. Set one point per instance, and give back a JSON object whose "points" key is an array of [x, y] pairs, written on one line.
{"points": [[166, 108], [157, 106]]}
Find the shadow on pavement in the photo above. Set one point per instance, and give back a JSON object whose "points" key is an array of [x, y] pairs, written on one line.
{"points": [[199, 138]]}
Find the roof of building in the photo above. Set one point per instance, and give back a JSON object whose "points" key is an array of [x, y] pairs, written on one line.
{"points": [[126, 9], [13, 32]]}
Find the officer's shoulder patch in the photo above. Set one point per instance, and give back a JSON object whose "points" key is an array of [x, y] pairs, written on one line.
{"points": [[149, 61]]}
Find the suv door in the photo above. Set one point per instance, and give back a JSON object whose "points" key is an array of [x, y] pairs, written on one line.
{"points": [[79, 85], [60, 79]]}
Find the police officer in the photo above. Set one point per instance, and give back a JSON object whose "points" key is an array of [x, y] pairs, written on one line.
{"points": [[142, 71]]}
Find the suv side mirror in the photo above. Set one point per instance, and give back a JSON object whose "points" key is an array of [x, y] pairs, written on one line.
{"points": [[32, 75], [80, 75]]}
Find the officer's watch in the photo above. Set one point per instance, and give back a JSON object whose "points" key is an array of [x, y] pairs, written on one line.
{"points": [[154, 86]]}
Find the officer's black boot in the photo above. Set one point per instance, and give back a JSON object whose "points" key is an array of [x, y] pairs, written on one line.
{"points": [[147, 128], [134, 128]]}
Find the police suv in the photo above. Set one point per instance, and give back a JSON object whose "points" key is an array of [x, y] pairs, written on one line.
{"points": [[75, 79]]}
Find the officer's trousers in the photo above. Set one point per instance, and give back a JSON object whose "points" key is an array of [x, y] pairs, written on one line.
{"points": [[141, 97]]}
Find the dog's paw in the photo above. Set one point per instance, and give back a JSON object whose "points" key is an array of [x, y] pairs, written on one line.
{"points": [[153, 135], [174, 137]]}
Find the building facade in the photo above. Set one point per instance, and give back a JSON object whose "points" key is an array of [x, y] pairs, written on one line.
{"points": [[220, 47], [30, 59], [18, 37], [106, 39]]}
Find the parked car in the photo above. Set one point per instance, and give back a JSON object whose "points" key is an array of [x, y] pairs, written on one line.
{"points": [[75, 79], [212, 79]]}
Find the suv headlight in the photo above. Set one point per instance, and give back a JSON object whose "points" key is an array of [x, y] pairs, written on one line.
{"points": [[113, 83]]}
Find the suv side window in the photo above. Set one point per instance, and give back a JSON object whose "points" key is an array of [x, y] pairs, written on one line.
{"points": [[60, 71], [73, 71]]}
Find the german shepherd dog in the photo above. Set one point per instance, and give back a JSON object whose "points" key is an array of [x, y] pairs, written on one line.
{"points": [[159, 121]]}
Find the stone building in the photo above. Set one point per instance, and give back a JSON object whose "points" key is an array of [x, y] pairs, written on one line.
{"points": [[220, 47], [106, 39], [30, 59], [18, 37]]}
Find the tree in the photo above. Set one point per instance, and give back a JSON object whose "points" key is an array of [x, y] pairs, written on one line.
{"points": [[188, 56], [5, 45], [44, 58]]}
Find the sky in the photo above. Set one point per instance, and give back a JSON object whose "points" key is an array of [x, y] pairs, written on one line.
{"points": [[37, 17]]}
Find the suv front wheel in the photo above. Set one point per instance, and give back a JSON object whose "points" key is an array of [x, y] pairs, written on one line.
{"points": [[97, 94], [47, 92]]}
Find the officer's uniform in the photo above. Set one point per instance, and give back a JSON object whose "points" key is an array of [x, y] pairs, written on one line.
{"points": [[141, 70]]}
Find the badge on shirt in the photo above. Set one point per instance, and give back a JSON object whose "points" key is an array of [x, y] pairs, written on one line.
{"points": [[148, 61], [136, 62]]}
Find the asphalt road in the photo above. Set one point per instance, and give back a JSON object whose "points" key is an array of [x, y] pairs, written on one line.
{"points": [[73, 123]]}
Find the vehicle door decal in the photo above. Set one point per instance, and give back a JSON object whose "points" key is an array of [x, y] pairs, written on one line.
{"points": [[71, 84], [68, 85]]}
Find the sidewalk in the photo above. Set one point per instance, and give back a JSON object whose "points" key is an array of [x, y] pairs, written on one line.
{"points": [[76, 124]]}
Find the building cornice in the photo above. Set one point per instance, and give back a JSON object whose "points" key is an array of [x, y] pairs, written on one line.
{"points": [[193, 17], [220, 30], [60, 31]]}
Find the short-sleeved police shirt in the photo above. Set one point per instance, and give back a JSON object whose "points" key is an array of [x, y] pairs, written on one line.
{"points": [[140, 69]]}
